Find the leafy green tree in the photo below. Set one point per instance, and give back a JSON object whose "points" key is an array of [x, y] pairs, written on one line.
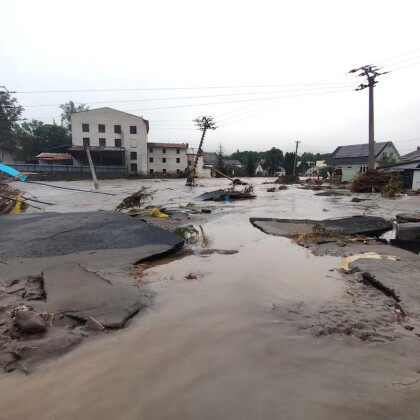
{"points": [[70, 108], [302, 167], [289, 161], [38, 137], [273, 160], [10, 113], [385, 160]]}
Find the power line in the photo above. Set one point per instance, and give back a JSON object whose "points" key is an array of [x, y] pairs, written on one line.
{"points": [[172, 88], [191, 97]]}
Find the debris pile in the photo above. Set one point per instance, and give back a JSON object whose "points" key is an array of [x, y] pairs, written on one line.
{"points": [[378, 181], [136, 200], [287, 179], [10, 199]]}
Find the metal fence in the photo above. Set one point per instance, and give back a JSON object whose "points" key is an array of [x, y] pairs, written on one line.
{"points": [[29, 167]]}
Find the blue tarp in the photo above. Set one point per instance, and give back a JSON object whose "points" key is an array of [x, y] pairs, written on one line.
{"points": [[12, 172]]}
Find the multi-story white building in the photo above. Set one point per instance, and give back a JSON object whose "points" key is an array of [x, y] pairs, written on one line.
{"points": [[167, 158], [114, 138]]}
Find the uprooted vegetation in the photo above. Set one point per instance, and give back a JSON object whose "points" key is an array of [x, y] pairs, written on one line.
{"points": [[287, 179], [189, 233], [388, 184], [136, 200]]}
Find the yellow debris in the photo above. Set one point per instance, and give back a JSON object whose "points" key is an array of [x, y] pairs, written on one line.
{"points": [[155, 212], [17, 206]]}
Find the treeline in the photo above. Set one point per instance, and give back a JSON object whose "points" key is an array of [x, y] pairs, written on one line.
{"points": [[273, 160], [29, 138]]}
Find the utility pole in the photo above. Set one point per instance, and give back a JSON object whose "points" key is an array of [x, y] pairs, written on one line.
{"points": [[203, 124], [370, 72], [294, 164]]}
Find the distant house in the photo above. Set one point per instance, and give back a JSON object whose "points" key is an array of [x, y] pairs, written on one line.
{"points": [[409, 167], [6, 154], [113, 137], [167, 158], [280, 171], [202, 170], [260, 171], [315, 170], [232, 167], [349, 161], [55, 158]]}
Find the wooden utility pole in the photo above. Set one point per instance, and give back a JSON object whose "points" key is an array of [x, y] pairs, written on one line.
{"points": [[370, 72], [203, 124], [295, 162]]}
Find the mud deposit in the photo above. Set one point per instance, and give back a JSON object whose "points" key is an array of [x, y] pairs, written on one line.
{"points": [[269, 332]]}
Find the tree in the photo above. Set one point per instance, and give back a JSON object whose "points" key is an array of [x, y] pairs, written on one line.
{"points": [[38, 137], [302, 167], [68, 109], [289, 162], [220, 154], [10, 113], [273, 160]]}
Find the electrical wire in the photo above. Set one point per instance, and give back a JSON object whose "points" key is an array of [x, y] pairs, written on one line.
{"points": [[172, 88]]}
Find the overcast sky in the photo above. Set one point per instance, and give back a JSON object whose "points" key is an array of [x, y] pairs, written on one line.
{"points": [[270, 72]]}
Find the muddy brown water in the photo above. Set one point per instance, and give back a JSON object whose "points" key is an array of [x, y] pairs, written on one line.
{"points": [[215, 347]]}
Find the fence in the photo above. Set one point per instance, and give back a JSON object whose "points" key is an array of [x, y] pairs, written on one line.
{"points": [[29, 167]]}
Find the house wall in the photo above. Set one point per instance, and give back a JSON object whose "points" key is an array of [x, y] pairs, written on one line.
{"points": [[131, 142], [201, 171], [6, 155], [349, 171], [156, 157], [416, 180]]}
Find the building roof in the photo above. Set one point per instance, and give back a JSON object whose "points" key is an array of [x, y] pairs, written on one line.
{"points": [[108, 109], [168, 145], [409, 157], [96, 149], [355, 153], [232, 162], [54, 156], [210, 158]]}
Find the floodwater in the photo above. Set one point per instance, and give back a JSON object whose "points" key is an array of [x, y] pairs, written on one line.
{"points": [[215, 347]]}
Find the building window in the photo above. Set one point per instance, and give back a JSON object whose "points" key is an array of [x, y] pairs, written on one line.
{"points": [[151, 150], [163, 150], [178, 171], [133, 129], [151, 160], [189, 163], [164, 171], [133, 155], [133, 167], [117, 129], [86, 141], [151, 171], [177, 151], [101, 128], [178, 160], [133, 143], [164, 160], [117, 142], [102, 142], [85, 128]]}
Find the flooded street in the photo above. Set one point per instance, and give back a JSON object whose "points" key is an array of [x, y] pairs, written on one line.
{"points": [[225, 345]]}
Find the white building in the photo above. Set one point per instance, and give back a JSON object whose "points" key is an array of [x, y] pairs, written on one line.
{"points": [[349, 161], [114, 138], [167, 158], [201, 171], [6, 154]]}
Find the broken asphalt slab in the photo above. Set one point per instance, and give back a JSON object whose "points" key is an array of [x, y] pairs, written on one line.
{"points": [[54, 234], [73, 291], [356, 225]]}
